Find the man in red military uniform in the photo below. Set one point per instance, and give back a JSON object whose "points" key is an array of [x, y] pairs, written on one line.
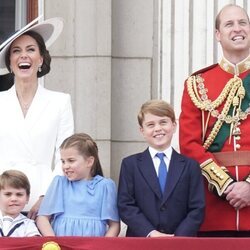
{"points": [[215, 127]]}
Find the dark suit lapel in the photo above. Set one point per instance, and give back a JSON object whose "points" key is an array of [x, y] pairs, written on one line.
{"points": [[175, 170], [146, 167]]}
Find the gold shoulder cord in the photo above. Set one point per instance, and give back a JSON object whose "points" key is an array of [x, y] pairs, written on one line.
{"points": [[232, 93]]}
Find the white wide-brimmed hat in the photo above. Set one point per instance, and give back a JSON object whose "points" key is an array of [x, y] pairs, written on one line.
{"points": [[49, 29]]}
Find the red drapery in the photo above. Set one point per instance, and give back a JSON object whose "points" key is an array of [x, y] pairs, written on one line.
{"points": [[122, 243]]}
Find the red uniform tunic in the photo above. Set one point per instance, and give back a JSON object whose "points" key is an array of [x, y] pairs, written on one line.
{"points": [[220, 215]]}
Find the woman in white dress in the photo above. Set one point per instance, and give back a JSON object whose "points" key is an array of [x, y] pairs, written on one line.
{"points": [[34, 120]]}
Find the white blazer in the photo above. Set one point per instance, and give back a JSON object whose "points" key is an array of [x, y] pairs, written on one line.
{"points": [[31, 144]]}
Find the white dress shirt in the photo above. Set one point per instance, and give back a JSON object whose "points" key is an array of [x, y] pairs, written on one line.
{"points": [[156, 160], [21, 226]]}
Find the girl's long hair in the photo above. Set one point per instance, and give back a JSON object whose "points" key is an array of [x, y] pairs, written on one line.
{"points": [[87, 147]]}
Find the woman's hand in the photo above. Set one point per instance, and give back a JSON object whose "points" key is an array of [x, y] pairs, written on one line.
{"points": [[32, 214]]}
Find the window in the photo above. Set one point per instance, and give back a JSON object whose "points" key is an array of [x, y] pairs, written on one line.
{"points": [[7, 17]]}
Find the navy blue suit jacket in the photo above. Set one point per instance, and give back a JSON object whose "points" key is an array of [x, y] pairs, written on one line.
{"points": [[142, 206]]}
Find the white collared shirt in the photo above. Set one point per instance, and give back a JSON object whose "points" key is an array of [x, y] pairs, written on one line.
{"points": [[21, 226], [156, 160]]}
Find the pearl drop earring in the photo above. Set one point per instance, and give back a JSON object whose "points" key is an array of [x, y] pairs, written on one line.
{"points": [[40, 68]]}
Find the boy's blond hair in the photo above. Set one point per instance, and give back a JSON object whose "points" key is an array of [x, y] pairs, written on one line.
{"points": [[156, 107], [15, 179]]}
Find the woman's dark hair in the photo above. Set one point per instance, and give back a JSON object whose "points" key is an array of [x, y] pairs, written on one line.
{"points": [[43, 51]]}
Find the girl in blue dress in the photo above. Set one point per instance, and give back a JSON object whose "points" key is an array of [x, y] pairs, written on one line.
{"points": [[82, 202]]}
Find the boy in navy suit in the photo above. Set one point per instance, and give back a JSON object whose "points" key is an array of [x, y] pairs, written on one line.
{"points": [[160, 191]]}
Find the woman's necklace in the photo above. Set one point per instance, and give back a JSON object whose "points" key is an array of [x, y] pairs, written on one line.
{"points": [[24, 105], [29, 94]]}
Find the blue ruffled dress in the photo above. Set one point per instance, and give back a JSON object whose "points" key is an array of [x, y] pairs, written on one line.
{"points": [[80, 208]]}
